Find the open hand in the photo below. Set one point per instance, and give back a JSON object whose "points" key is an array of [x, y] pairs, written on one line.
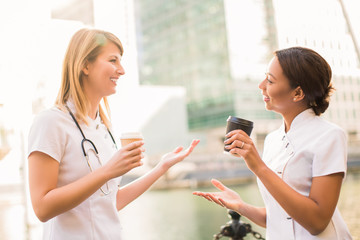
{"points": [[171, 158], [226, 197]]}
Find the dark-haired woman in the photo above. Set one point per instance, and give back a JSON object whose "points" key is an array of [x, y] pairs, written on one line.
{"points": [[304, 161]]}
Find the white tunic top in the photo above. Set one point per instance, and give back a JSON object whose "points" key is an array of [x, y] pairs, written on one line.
{"points": [[55, 133], [312, 147]]}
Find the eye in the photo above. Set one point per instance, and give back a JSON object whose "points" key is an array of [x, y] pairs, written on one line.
{"points": [[267, 77], [113, 60]]}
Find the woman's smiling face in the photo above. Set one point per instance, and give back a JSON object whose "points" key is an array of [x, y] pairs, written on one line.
{"points": [[101, 76], [275, 88]]}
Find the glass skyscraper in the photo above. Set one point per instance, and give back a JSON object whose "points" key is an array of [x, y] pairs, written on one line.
{"points": [[184, 43]]}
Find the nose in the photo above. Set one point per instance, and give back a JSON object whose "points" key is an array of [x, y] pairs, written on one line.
{"points": [[120, 70], [262, 84]]}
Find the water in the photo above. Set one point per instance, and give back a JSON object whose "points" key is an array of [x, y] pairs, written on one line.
{"points": [[178, 215], [173, 214]]}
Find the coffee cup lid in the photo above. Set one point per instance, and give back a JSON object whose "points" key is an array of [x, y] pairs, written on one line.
{"points": [[240, 121], [131, 135]]}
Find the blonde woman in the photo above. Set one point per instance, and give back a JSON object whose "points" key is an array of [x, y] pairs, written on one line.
{"points": [[75, 167]]}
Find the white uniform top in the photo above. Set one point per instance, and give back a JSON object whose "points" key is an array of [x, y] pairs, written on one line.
{"points": [[312, 147], [55, 133]]}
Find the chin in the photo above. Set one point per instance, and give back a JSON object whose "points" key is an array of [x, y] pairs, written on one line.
{"points": [[267, 107], [112, 92]]}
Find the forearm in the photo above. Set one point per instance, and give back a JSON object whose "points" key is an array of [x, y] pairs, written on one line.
{"points": [[131, 191], [62, 199], [255, 214]]}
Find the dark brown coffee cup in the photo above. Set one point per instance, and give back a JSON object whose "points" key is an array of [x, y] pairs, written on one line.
{"points": [[234, 123]]}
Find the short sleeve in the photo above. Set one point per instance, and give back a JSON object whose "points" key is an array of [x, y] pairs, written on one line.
{"points": [[46, 134], [331, 153]]}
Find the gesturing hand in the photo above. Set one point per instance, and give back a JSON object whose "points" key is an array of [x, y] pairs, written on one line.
{"points": [[226, 197], [171, 158]]}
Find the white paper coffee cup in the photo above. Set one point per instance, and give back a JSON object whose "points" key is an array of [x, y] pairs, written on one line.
{"points": [[129, 137]]}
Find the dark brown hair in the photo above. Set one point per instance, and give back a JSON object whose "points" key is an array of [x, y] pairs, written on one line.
{"points": [[306, 68]]}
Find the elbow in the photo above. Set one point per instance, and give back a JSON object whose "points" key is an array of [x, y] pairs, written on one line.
{"points": [[318, 228], [43, 220], [41, 215]]}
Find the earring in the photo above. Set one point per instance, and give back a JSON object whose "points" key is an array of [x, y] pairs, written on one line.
{"points": [[294, 99]]}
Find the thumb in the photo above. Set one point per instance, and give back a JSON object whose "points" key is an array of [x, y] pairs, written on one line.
{"points": [[218, 184], [178, 149]]}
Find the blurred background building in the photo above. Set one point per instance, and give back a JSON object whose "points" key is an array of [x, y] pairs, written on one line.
{"points": [[219, 50], [189, 64]]}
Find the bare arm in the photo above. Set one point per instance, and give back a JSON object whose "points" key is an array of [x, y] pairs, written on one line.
{"points": [[49, 201], [134, 189]]}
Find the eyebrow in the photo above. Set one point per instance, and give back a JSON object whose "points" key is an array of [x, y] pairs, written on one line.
{"points": [[271, 75], [115, 56]]}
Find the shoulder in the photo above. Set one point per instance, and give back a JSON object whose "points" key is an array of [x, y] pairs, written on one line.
{"points": [[49, 120], [51, 114], [326, 129], [49, 133]]}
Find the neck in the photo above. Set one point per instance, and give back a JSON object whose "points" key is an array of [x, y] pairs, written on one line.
{"points": [[94, 107], [290, 116]]}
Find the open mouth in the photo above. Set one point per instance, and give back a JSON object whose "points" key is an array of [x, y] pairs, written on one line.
{"points": [[114, 80]]}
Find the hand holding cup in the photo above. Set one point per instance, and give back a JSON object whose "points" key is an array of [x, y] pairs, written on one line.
{"points": [[235, 123]]}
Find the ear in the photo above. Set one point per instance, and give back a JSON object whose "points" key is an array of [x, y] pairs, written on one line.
{"points": [[85, 69], [298, 94]]}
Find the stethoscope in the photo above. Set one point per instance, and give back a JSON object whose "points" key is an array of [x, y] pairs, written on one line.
{"points": [[93, 149]]}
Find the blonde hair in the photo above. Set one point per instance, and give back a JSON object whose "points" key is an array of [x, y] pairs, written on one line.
{"points": [[84, 47]]}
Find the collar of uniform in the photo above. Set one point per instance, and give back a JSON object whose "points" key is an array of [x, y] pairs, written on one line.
{"points": [[92, 123], [299, 120]]}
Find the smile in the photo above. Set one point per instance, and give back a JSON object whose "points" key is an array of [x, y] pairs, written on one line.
{"points": [[114, 80], [266, 99]]}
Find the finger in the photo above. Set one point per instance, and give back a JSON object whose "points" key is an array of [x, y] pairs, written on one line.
{"points": [[134, 164], [234, 132], [206, 196], [133, 145], [136, 157], [236, 151], [137, 164], [218, 184], [236, 137], [215, 199], [222, 202], [202, 195], [178, 149], [135, 152], [193, 144], [237, 144]]}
